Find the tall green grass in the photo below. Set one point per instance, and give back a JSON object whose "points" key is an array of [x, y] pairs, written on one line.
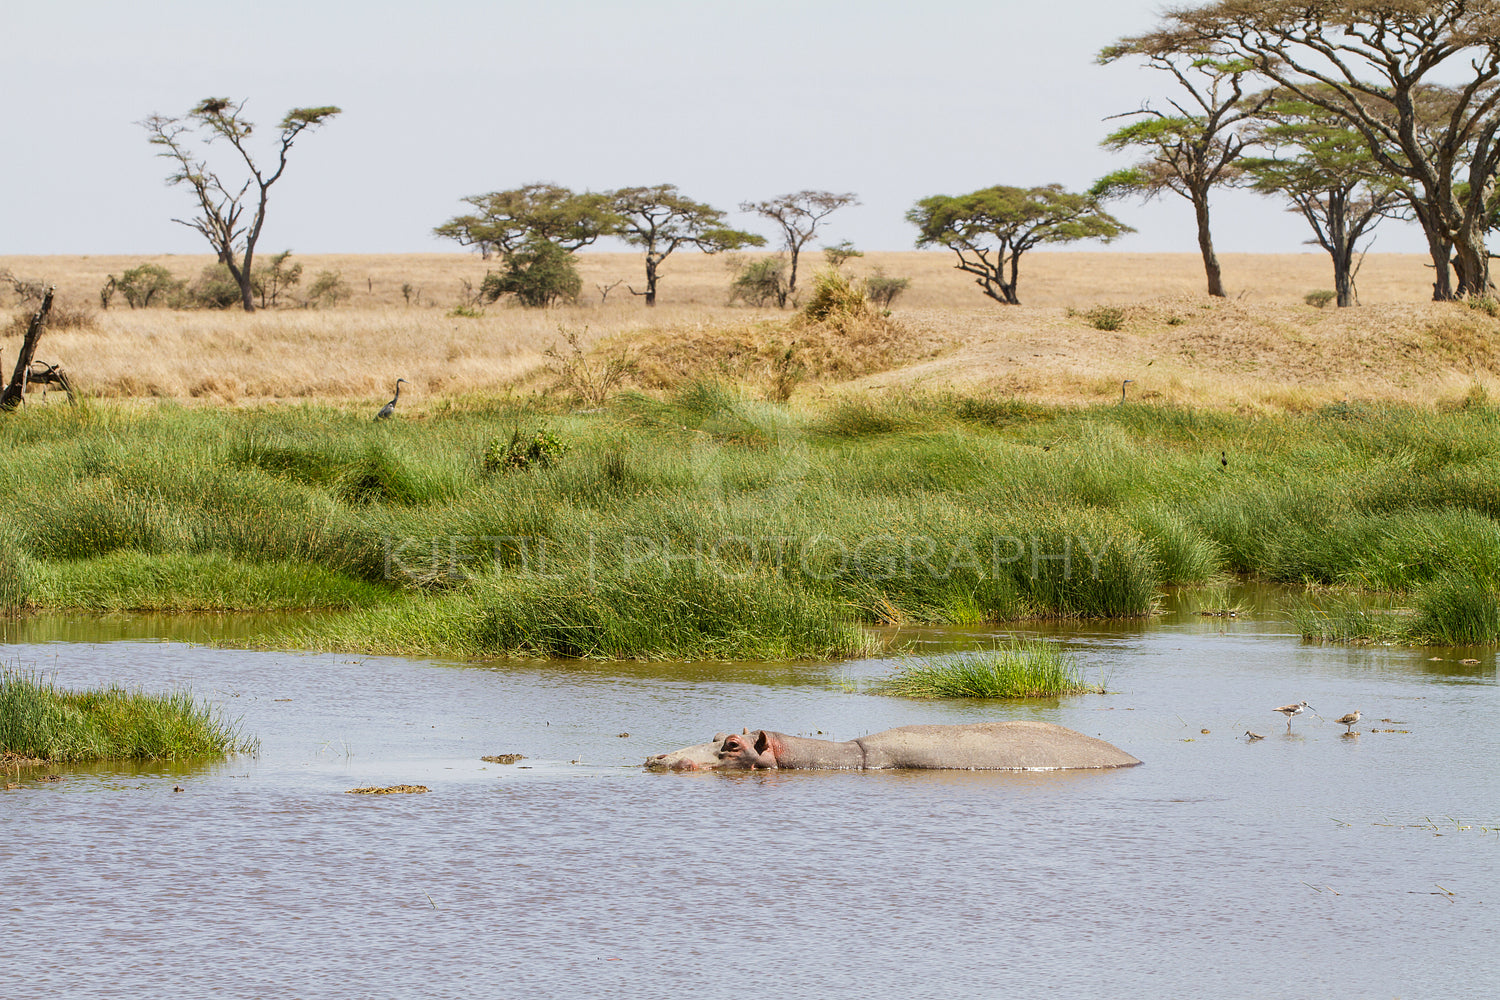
{"points": [[862, 509], [40, 721], [1020, 669]]}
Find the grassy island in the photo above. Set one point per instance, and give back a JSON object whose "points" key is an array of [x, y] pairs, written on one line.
{"points": [[40, 722]]}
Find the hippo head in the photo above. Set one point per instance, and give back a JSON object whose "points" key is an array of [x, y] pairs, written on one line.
{"points": [[728, 752]]}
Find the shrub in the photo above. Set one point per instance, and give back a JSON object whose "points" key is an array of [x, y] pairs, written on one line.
{"points": [[538, 274], [1320, 298], [761, 282], [140, 285], [1108, 318], [882, 289], [215, 288], [328, 289], [534, 449], [592, 382], [835, 299], [270, 279]]}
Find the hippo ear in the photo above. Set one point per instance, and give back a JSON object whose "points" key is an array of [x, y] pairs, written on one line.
{"points": [[762, 742]]}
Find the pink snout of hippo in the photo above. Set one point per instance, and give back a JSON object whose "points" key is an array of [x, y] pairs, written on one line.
{"points": [[984, 746]]}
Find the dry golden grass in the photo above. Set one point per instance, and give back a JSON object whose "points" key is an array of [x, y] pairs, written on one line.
{"points": [[1261, 349]]}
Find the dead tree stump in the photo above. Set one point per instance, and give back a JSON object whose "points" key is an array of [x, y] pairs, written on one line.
{"points": [[15, 392]]}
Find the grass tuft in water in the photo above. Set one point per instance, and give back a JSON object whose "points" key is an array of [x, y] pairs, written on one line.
{"points": [[42, 722], [1022, 669], [1458, 611]]}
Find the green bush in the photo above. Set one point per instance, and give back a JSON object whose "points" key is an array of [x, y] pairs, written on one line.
{"points": [[538, 274], [882, 289], [276, 275], [1320, 298], [1108, 318], [215, 288], [760, 283], [140, 285], [328, 289], [539, 449]]}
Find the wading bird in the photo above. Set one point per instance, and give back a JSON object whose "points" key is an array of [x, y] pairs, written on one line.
{"points": [[1253, 736], [1349, 721], [1297, 708], [389, 408], [1223, 460]]}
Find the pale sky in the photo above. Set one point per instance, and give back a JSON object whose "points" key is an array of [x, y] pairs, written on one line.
{"points": [[732, 101]]}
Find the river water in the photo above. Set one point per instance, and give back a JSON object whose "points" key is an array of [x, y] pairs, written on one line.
{"points": [[1299, 864]]}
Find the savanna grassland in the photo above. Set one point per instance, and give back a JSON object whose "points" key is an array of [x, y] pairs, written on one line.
{"points": [[1263, 349], [760, 484]]}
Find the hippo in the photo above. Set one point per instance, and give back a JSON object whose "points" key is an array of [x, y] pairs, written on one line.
{"points": [[983, 746]]}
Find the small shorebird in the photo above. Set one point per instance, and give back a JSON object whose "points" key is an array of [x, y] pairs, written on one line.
{"points": [[1254, 736], [1297, 708], [1349, 720]]}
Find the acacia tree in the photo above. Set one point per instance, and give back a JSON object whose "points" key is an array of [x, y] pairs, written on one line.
{"points": [[799, 216], [660, 220], [1193, 151], [990, 229], [1326, 171], [221, 205], [504, 221], [1369, 62]]}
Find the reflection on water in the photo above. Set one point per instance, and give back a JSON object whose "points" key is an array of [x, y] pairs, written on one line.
{"points": [[229, 629], [1367, 865]]}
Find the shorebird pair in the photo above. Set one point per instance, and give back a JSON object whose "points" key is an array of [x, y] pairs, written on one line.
{"points": [[1297, 708]]}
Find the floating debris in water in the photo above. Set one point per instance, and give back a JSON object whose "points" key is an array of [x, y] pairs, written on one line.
{"points": [[504, 758], [388, 790]]}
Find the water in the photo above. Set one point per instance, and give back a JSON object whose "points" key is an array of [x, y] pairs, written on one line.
{"points": [[1294, 865]]}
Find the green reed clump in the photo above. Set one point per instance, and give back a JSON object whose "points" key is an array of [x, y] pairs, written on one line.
{"points": [[42, 722], [1460, 610], [1020, 669], [645, 615]]}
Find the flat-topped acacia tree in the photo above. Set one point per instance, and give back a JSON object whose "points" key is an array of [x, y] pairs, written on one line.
{"points": [[1327, 173], [505, 221], [991, 228], [1369, 62], [1192, 149], [221, 206], [799, 215], [660, 220]]}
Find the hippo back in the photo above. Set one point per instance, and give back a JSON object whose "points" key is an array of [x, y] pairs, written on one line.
{"points": [[1017, 745]]}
